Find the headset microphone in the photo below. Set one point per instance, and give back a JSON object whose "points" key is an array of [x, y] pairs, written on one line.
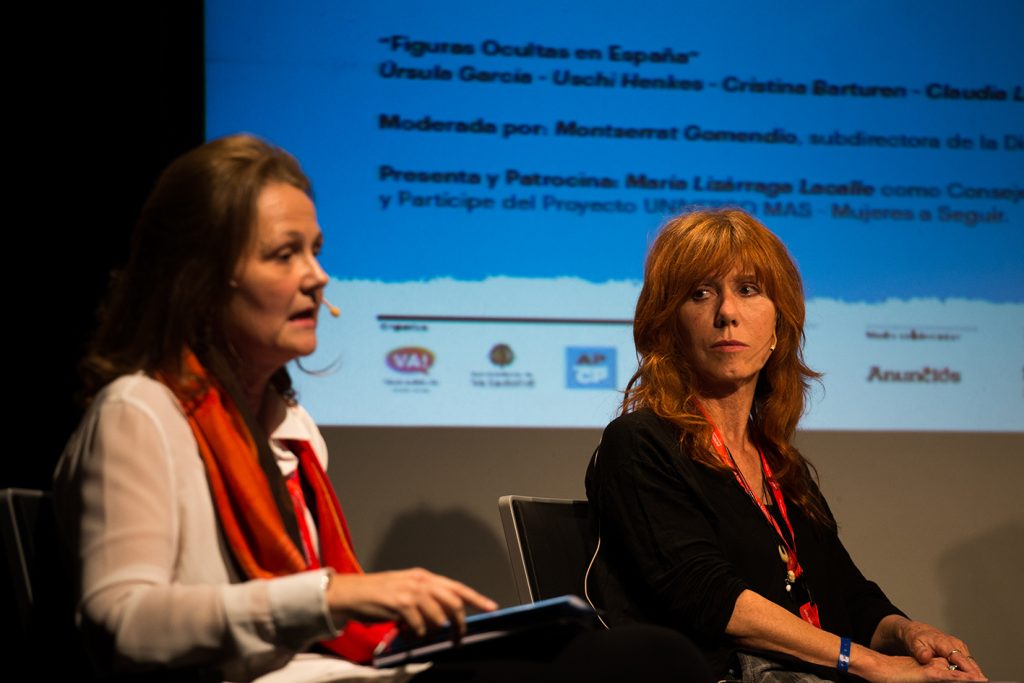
{"points": [[334, 310]]}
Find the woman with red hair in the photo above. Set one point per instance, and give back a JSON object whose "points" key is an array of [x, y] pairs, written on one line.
{"points": [[709, 519]]}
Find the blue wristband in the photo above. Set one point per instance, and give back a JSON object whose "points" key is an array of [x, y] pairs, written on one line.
{"points": [[844, 655]]}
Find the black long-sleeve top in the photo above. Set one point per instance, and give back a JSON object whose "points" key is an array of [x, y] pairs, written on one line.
{"points": [[680, 541]]}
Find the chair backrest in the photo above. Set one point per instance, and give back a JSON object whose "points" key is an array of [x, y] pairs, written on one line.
{"points": [[38, 626], [20, 511], [39, 621], [549, 545]]}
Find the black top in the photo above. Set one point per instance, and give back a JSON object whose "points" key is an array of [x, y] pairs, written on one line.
{"points": [[680, 541]]}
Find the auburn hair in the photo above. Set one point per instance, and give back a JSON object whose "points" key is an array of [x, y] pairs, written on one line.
{"points": [[688, 250]]}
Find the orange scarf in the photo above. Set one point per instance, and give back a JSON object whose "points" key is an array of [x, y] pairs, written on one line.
{"points": [[248, 514]]}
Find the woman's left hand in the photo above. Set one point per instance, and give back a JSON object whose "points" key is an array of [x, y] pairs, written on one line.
{"points": [[925, 643]]}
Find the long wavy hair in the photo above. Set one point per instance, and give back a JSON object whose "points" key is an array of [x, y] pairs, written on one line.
{"points": [[688, 250], [175, 288]]}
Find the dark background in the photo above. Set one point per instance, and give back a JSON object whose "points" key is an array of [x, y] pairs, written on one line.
{"points": [[103, 98]]}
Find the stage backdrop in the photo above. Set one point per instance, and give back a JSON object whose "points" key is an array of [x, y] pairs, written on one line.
{"points": [[489, 177]]}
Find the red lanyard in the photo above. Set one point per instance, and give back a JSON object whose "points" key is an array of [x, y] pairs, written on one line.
{"points": [[787, 551]]}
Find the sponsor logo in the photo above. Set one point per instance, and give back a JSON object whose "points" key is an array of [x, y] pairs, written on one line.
{"points": [[501, 355], [502, 379], [946, 334], [926, 375], [590, 367], [404, 327], [410, 359]]}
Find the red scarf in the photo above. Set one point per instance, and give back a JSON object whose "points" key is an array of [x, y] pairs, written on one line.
{"points": [[248, 514]]}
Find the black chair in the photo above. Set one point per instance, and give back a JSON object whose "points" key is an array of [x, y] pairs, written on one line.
{"points": [[38, 621], [549, 545], [19, 516], [37, 608]]}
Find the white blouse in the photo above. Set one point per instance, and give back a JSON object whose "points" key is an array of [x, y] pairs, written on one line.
{"points": [[157, 582]]}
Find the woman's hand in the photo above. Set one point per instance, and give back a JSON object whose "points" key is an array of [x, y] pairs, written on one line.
{"points": [[760, 623], [906, 669], [415, 597], [925, 644]]}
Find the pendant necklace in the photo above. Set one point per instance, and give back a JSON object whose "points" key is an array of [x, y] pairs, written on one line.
{"points": [[782, 547]]}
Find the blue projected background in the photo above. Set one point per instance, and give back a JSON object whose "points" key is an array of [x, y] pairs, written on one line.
{"points": [[489, 178]]}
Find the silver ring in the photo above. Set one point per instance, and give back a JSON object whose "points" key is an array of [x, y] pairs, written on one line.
{"points": [[952, 667]]}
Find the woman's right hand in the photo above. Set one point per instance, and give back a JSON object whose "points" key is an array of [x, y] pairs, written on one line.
{"points": [[416, 598], [900, 669], [760, 623]]}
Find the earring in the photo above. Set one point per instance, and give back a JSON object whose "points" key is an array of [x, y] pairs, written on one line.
{"points": [[775, 342]]}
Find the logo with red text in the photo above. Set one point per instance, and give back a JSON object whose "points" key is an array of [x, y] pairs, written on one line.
{"points": [[410, 360], [925, 375]]}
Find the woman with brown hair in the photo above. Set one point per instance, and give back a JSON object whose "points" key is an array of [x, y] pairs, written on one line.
{"points": [[709, 520], [194, 494], [208, 541]]}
